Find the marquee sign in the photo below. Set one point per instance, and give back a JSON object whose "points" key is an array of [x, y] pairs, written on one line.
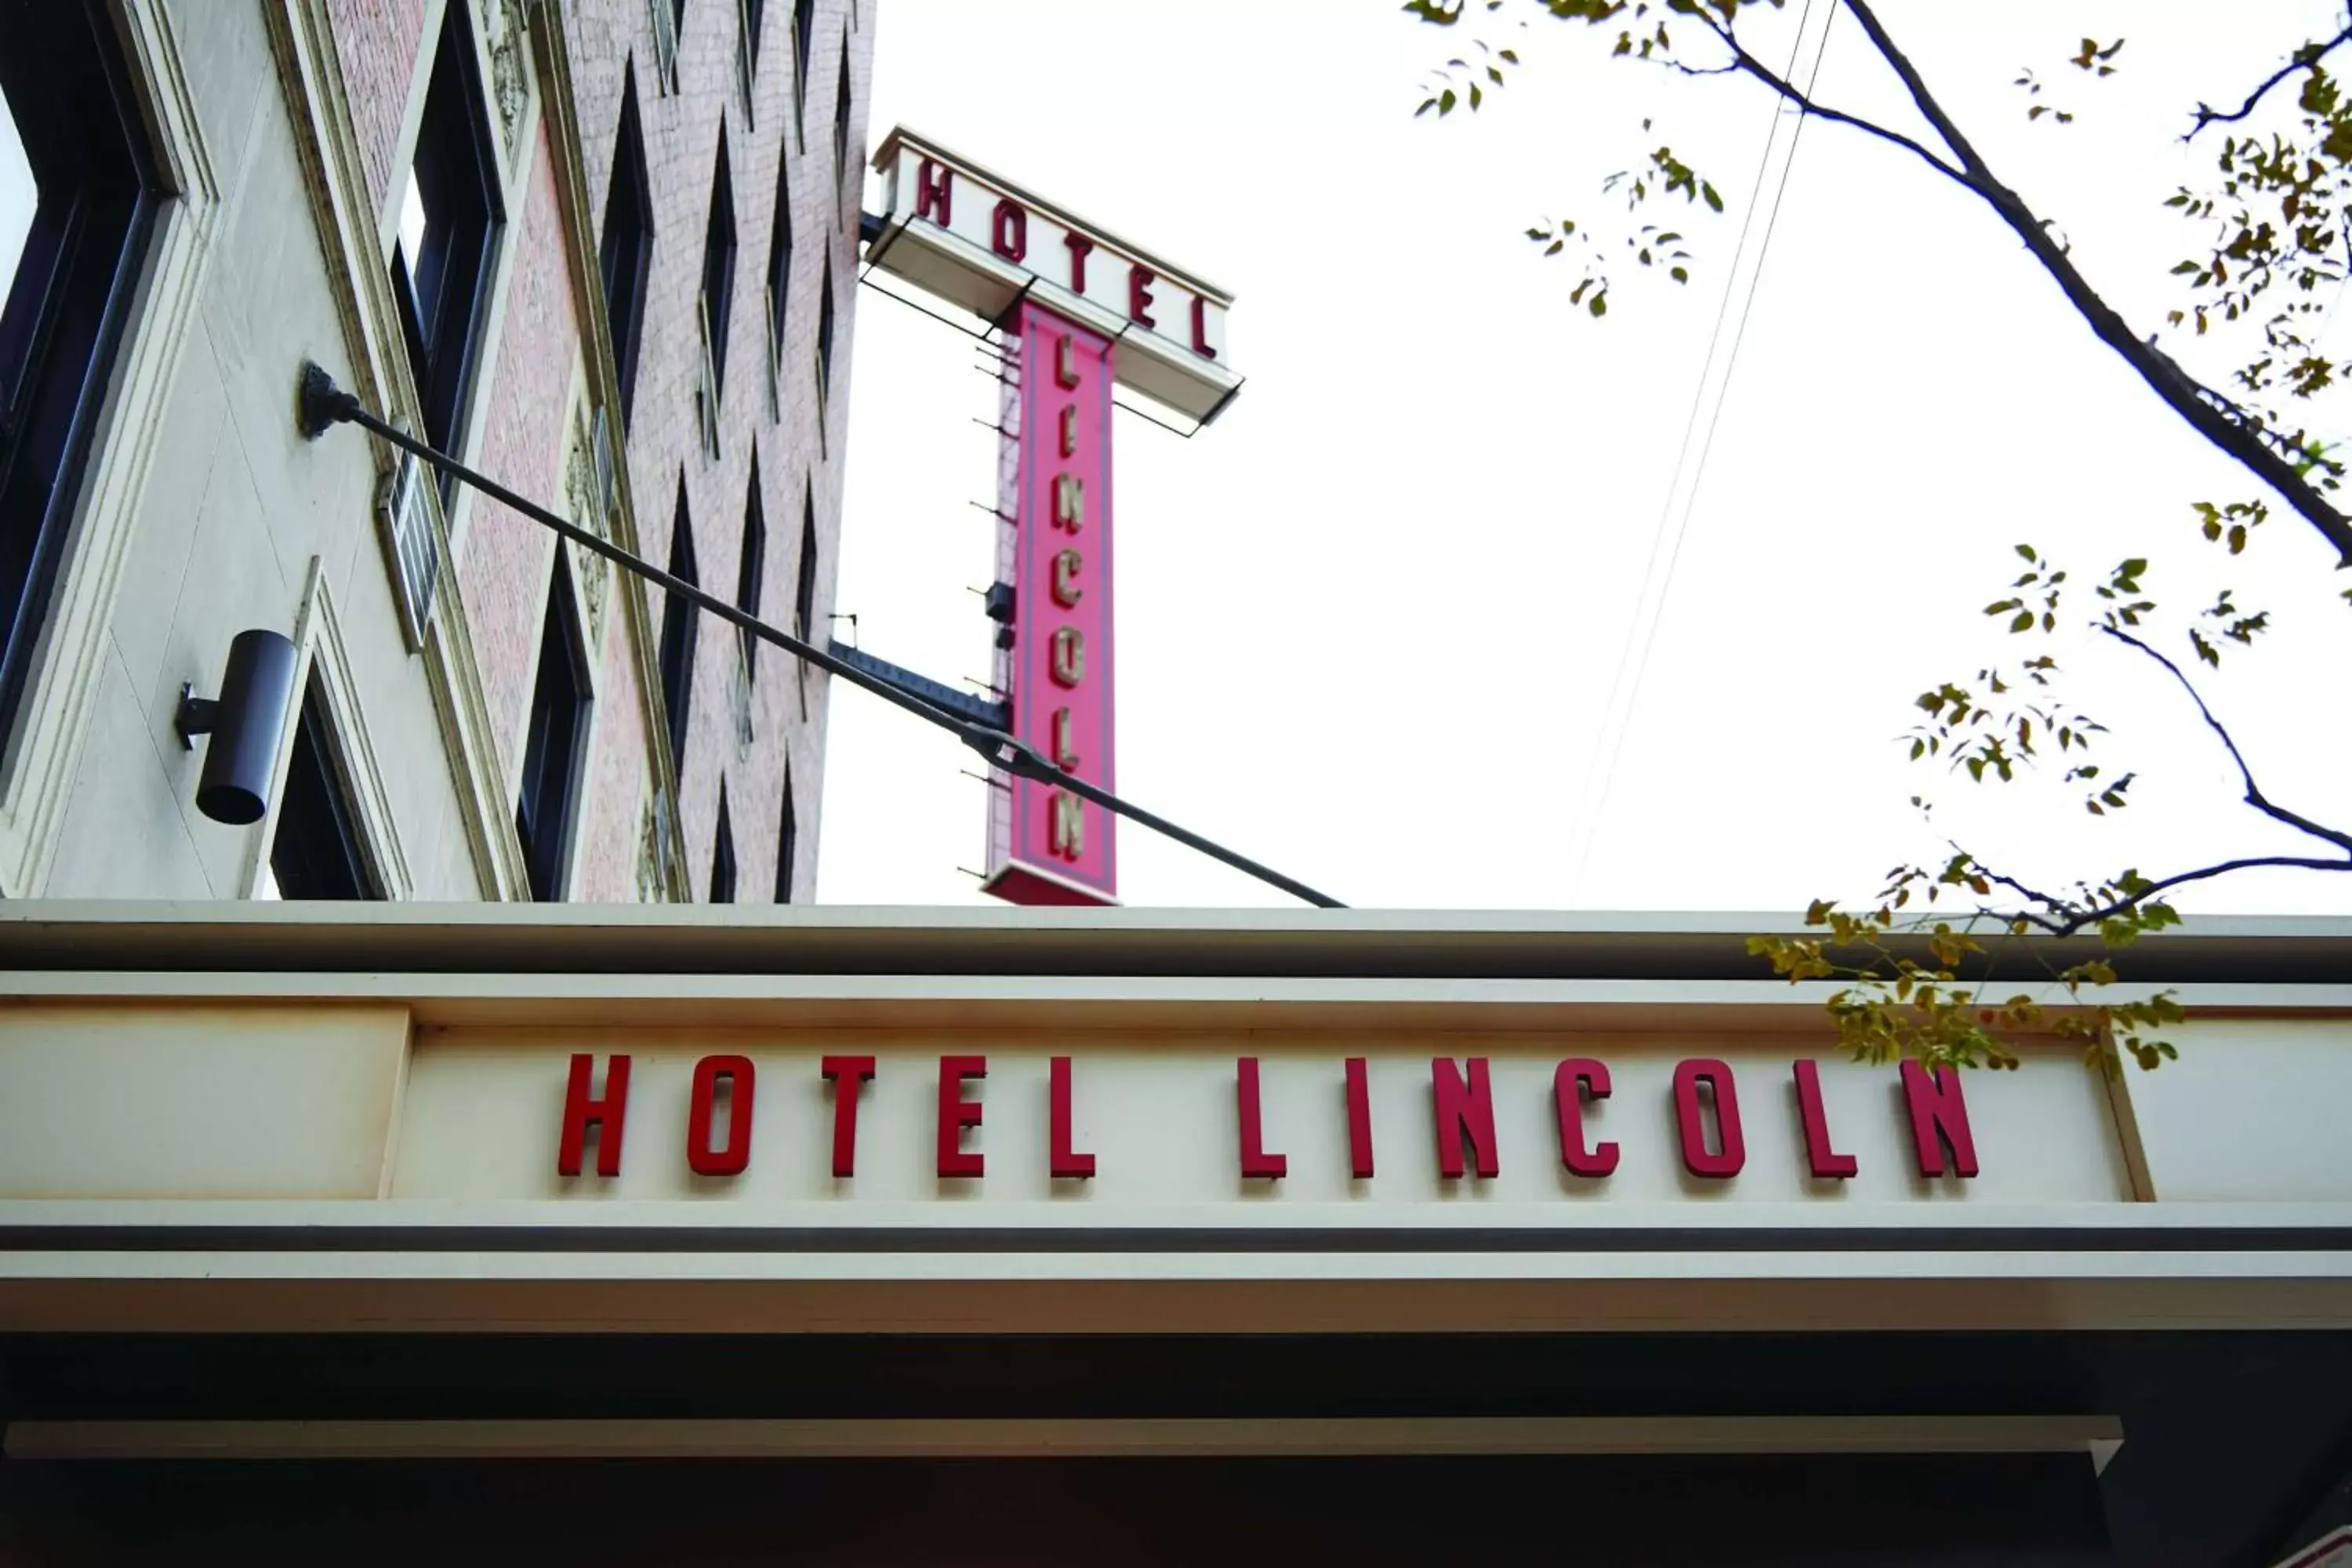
{"points": [[1080, 312]]}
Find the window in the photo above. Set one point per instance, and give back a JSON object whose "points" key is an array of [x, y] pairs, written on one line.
{"points": [[805, 591], [803, 40], [79, 196], [824, 337], [841, 127], [449, 220], [753, 568], [315, 852], [747, 55], [780, 258], [719, 262], [680, 622], [787, 837], [552, 747], [624, 253], [722, 855]]}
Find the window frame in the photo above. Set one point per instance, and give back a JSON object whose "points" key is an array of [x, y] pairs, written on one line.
{"points": [[550, 861], [680, 635], [627, 320], [720, 250], [787, 841], [70, 334], [722, 887], [323, 660], [804, 580], [752, 568], [463, 144], [346, 842]]}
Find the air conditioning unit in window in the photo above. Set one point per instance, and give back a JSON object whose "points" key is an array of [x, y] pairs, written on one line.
{"points": [[665, 44], [707, 393], [404, 520]]}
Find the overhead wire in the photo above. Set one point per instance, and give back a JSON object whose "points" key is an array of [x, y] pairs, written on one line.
{"points": [[1633, 655]]}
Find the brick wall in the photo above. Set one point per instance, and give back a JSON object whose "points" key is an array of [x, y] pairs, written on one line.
{"points": [[797, 459], [376, 43], [502, 564]]}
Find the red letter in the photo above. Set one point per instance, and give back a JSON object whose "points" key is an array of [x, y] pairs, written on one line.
{"points": [[1571, 1083], [1820, 1153], [1359, 1122], [1695, 1159], [1139, 296], [579, 1109], [1256, 1161], [934, 188], [1080, 245], [1065, 1161], [700, 1157], [1462, 1110], [1939, 1116], [1201, 329], [856, 1070], [1010, 232], [956, 1113]]}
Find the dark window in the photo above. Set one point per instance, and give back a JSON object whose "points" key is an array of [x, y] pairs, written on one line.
{"points": [[787, 837], [551, 753], [718, 259], [78, 199], [824, 335], [316, 853], [753, 570], [449, 220], [626, 251], [803, 40], [723, 855], [805, 591], [841, 125], [780, 258], [680, 621], [753, 13]]}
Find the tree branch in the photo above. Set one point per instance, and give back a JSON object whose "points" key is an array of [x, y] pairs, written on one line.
{"points": [[2203, 873], [1743, 61], [2304, 59], [2254, 796], [2229, 431]]}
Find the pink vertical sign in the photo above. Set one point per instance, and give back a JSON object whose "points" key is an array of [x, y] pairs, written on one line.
{"points": [[1045, 845]]}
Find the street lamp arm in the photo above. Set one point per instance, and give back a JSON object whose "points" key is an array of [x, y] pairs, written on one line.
{"points": [[321, 405]]}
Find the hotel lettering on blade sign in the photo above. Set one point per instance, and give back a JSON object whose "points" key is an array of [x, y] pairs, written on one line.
{"points": [[1077, 313]]}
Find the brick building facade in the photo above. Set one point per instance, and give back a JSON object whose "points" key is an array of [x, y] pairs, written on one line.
{"points": [[604, 251]]}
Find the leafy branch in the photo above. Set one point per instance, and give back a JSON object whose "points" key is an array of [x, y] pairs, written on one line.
{"points": [[2241, 434]]}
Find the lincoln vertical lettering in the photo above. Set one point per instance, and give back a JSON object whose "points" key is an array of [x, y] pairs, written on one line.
{"points": [[1067, 662], [1069, 502], [1066, 831]]}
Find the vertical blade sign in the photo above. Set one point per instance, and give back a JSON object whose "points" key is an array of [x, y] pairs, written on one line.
{"points": [[1047, 845]]}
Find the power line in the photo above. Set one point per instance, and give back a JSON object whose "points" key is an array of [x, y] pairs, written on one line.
{"points": [[1643, 631], [322, 404]]}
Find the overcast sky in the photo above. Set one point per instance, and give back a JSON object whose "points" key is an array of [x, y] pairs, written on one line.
{"points": [[1369, 623]]}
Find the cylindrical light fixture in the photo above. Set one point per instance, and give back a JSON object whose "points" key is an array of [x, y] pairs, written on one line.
{"points": [[245, 722]]}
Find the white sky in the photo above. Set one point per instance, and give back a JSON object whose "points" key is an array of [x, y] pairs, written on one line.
{"points": [[1367, 622]]}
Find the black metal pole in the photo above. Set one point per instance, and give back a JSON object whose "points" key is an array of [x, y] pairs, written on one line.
{"points": [[320, 403]]}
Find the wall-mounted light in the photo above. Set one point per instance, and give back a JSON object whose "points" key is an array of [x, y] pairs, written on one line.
{"points": [[244, 721]]}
